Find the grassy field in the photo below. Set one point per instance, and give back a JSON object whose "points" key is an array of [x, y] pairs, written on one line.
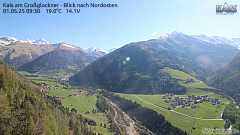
{"points": [[56, 73], [50, 83], [181, 75], [205, 111], [83, 103], [101, 130], [174, 118], [178, 74], [61, 93], [196, 92], [206, 124], [155, 99], [43, 78], [180, 121]]}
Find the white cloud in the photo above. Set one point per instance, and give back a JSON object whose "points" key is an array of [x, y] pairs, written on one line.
{"points": [[154, 33]]}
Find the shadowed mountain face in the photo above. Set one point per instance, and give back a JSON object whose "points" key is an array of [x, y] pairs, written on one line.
{"points": [[227, 78], [133, 68], [59, 60], [137, 67]]}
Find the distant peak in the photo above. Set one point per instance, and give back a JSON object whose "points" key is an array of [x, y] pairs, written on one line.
{"points": [[176, 33], [41, 41], [10, 39], [173, 34], [94, 49], [7, 40]]}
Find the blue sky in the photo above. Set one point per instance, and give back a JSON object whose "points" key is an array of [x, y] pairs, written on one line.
{"points": [[131, 21]]}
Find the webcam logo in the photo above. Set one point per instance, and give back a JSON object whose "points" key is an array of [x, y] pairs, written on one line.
{"points": [[226, 9]]}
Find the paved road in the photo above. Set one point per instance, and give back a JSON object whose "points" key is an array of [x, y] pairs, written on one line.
{"points": [[174, 111]]}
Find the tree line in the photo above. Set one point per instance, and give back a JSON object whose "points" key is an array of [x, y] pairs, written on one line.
{"points": [[104, 107]]}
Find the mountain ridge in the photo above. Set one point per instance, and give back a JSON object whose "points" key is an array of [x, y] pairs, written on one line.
{"points": [[58, 60], [10, 40], [221, 40], [16, 54]]}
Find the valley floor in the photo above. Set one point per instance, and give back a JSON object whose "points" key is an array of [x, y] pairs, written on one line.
{"points": [[174, 110], [191, 124], [192, 120]]}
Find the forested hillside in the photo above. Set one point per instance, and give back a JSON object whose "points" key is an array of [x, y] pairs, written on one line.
{"points": [[124, 70], [227, 78], [24, 109], [232, 116], [138, 67]]}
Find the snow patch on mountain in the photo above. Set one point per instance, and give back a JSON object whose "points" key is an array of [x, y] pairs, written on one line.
{"points": [[232, 42], [67, 45], [207, 39], [178, 36]]}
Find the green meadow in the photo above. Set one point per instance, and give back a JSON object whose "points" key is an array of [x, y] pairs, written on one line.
{"points": [[204, 110], [183, 122], [83, 103]]}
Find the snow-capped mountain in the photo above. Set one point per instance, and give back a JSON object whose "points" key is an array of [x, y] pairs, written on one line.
{"points": [[95, 51], [7, 40], [90, 50], [31, 41], [219, 40], [175, 36], [98, 52], [236, 39], [175, 33], [10, 40], [39, 42], [232, 42]]}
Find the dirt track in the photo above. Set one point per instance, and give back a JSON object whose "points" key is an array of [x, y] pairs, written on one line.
{"points": [[130, 129]]}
